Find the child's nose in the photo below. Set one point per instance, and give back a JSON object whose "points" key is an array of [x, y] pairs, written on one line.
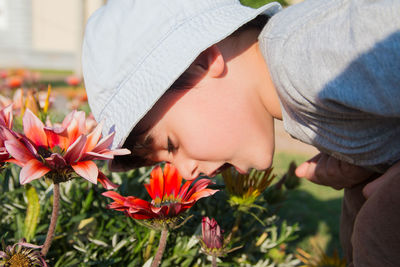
{"points": [[187, 168]]}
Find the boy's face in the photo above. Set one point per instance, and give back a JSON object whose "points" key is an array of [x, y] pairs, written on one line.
{"points": [[221, 120]]}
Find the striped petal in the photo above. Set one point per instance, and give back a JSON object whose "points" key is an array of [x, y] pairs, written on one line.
{"points": [[32, 170], [172, 180], [157, 183], [33, 129], [74, 152], [105, 182], [86, 169], [93, 138], [18, 151], [200, 194], [115, 196], [93, 156], [104, 143], [53, 139], [6, 116], [199, 185]]}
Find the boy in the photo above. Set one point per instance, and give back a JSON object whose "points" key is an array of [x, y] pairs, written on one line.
{"points": [[185, 82]]}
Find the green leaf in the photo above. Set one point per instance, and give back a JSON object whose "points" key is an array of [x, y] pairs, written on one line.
{"points": [[32, 213], [260, 3]]}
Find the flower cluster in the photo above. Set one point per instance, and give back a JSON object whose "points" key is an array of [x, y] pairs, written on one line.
{"points": [[58, 152]]}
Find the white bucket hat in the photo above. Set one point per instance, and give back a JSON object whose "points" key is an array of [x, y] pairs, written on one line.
{"points": [[134, 50]]}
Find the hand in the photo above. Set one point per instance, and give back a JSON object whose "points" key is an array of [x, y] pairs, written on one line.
{"points": [[327, 170], [371, 187]]}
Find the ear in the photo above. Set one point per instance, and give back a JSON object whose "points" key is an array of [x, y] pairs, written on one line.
{"points": [[211, 62]]}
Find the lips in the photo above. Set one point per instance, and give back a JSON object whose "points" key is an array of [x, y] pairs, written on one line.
{"points": [[219, 170], [240, 170]]}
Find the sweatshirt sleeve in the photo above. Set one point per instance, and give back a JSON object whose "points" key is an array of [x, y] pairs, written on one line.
{"points": [[336, 67]]}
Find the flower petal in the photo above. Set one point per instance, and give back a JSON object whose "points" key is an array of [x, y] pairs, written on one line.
{"points": [[86, 169], [33, 129], [93, 156], [105, 182], [199, 185], [6, 116], [104, 143], [114, 195], [18, 151], [53, 138], [200, 194], [93, 137], [32, 170], [157, 183], [172, 180], [184, 189], [74, 152]]}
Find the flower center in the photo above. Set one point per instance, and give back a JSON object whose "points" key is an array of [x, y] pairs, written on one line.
{"points": [[43, 152], [19, 260]]}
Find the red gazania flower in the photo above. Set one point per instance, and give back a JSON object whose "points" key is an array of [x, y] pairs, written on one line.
{"points": [[169, 198], [6, 120], [59, 152]]}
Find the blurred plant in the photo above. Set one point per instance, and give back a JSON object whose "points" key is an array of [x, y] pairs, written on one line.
{"points": [[16, 78], [169, 200], [38, 102], [20, 255], [259, 3], [291, 181], [320, 258], [212, 241], [73, 80], [14, 82]]}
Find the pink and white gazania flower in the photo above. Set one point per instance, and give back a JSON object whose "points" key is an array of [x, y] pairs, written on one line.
{"points": [[60, 152], [211, 234], [212, 240], [6, 120]]}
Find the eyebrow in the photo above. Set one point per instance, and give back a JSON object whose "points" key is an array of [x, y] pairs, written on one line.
{"points": [[148, 142]]}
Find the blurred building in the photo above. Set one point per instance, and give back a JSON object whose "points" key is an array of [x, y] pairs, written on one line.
{"points": [[43, 34]]}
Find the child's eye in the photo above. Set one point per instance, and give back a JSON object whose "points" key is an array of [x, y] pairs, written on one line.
{"points": [[170, 146]]}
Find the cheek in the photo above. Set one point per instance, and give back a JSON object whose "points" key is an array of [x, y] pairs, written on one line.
{"points": [[207, 134]]}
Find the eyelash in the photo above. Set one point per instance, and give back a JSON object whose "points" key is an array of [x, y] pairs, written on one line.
{"points": [[170, 146]]}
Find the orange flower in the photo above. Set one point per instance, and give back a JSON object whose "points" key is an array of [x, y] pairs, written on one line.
{"points": [[73, 80], [14, 81], [169, 198], [60, 152]]}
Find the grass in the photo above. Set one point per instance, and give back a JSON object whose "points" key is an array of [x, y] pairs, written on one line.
{"points": [[316, 208]]}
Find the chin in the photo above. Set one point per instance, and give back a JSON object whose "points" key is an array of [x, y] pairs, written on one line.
{"points": [[264, 163]]}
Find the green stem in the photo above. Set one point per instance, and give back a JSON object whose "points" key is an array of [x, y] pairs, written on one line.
{"points": [[149, 245], [161, 247], [214, 261], [235, 227], [53, 220]]}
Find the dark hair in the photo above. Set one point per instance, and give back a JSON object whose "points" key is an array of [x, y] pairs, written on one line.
{"points": [[139, 142]]}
